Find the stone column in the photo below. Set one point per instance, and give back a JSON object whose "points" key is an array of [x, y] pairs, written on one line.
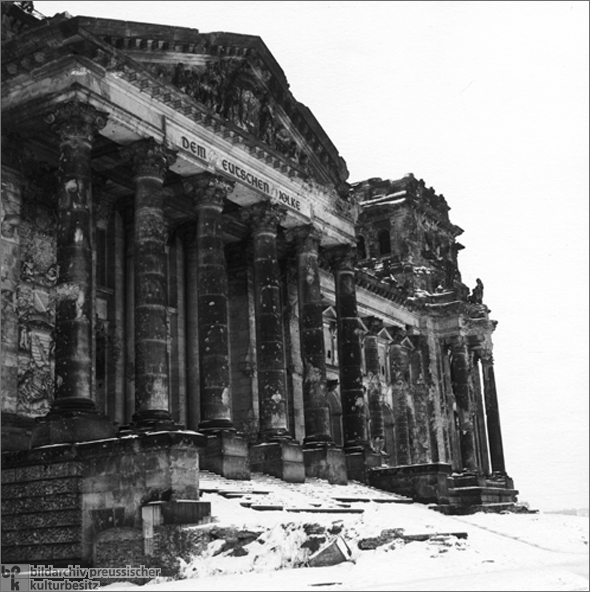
{"points": [[374, 384], [492, 414], [129, 225], [460, 377], [192, 328], [311, 327], [73, 415], [150, 161], [265, 218], [322, 458], [284, 460], [226, 453], [208, 192], [359, 456], [349, 349]]}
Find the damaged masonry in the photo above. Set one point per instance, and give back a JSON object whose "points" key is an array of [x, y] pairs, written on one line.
{"points": [[189, 283]]}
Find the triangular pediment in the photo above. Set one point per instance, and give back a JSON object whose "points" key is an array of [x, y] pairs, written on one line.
{"points": [[238, 80], [330, 313], [385, 335]]}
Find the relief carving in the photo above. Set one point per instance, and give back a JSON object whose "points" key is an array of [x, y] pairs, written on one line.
{"points": [[35, 374], [35, 306], [232, 88]]}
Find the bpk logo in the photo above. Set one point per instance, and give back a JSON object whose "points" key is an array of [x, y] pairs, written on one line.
{"points": [[14, 577]]}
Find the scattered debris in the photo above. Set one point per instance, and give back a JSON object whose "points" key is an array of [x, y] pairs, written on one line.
{"points": [[333, 553]]}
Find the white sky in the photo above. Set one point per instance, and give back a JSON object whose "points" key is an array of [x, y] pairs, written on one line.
{"points": [[488, 103]]}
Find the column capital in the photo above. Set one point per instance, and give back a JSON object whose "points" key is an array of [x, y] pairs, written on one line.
{"points": [[341, 257], [306, 237], [207, 189], [458, 344], [148, 158], [486, 357], [75, 119], [264, 216]]}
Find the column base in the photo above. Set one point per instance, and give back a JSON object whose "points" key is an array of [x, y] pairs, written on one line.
{"points": [[359, 462], [74, 426], [227, 455], [279, 459], [151, 421], [425, 483], [325, 462]]}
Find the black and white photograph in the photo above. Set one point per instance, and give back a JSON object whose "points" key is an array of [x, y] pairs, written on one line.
{"points": [[294, 295]]}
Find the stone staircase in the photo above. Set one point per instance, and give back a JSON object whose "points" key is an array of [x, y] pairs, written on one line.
{"points": [[471, 492], [265, 493]]}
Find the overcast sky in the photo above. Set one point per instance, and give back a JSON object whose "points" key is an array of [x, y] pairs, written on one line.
{"points": [[488, 103]]}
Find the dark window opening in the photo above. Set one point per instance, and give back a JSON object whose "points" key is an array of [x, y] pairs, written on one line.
{"points": [[384, 242], [361, 247]]}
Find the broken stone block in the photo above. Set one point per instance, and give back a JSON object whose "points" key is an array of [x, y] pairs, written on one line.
{"points": [[333, 553], [386, 536]]}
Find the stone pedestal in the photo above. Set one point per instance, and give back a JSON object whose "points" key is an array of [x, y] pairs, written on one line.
{"points": [[61, 426], [325, 462], [226, 454], [279, 459], [425, 483], [57, 500], [358, 464]]}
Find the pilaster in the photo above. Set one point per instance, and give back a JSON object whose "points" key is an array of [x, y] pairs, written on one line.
{"points": [[375, 389]]}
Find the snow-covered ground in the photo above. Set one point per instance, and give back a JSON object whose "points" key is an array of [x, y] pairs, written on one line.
{"points": [[501, 551]]}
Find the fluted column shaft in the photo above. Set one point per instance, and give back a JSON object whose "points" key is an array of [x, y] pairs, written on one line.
{"points": [[150, 161], [208, 192], [311, 326], [76, 123], [349, 349], [493, 415], [272, 390], [460, 374]]}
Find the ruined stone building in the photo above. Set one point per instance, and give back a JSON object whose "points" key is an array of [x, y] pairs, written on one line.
{"points": [[188, 279]]}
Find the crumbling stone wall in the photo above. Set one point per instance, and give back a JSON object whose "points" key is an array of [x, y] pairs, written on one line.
{"points": [[29, 273]]}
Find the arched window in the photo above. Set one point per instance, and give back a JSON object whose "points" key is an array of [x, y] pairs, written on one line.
{"points": [[361, 247], [384, 242]]}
